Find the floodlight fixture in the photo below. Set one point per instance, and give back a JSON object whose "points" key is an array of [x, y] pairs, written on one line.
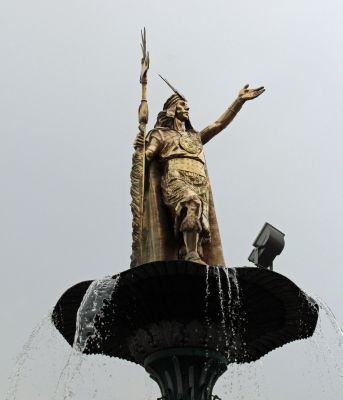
{"points": [[268, 244]]}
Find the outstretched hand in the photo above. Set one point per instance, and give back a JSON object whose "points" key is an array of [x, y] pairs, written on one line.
{"points": [[249, 94]]}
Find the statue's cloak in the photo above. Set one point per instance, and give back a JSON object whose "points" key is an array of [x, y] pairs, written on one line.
{"points": [[158, 240]]}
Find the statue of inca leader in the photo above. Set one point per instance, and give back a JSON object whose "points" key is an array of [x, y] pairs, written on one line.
{"points": [[176, 212]]}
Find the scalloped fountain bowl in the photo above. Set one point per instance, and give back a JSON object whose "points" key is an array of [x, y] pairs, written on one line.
{"points": [[184, 322]]}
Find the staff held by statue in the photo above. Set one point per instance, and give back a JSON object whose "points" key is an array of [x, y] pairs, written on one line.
{"points": [[138, 161]]}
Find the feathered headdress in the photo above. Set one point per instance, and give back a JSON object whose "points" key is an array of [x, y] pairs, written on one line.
{"points": [[166, 117]]}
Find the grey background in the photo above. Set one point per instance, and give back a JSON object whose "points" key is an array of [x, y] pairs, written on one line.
{"points": [[69, 97]]}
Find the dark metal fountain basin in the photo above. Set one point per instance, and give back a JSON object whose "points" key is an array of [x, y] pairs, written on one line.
{"points": [[241, 313]]}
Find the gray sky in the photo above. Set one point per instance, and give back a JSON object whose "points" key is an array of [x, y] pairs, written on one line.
{"points": [[69, 97]]}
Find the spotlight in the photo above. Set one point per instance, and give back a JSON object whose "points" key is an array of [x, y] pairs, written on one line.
{"points": [[268, 244]]}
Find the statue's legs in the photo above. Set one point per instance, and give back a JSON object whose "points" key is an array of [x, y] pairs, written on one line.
{"points": [[186, 196], [191, 228]]}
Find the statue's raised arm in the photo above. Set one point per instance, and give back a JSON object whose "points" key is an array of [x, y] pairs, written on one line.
{"points": [[223, 121]]}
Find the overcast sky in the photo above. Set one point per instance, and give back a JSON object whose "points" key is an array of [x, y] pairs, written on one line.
{"points": [[69, 98]]}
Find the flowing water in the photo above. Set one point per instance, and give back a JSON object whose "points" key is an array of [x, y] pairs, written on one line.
{"points": [[98, 292], [320, 358], [321, 369], [313, 366], [22, 358], [242, 382], [331, 317], [207, 294], [328, 344], [222, 307], [224, 282], [233, 306]]}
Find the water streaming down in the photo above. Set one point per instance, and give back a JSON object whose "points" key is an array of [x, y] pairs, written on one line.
{"points": [[328, 340], [222, 306], [331, 316], [236, 311], [227, 292], [207, 294], [322, 374], [24, 355], [230, 303], [243, 381], [234, 307], [98, 293]]}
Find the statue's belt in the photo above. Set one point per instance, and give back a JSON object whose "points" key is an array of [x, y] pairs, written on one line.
{"points": [[186, 164]]}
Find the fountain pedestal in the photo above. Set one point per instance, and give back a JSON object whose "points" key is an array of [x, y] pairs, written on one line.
{"points": [[186, 373]]}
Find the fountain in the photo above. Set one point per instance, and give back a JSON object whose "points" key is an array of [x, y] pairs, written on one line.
{"points": [[179, 312], [175, 320]]}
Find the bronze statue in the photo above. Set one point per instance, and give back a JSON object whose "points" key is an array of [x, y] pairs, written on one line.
{"points": [[172, 204]]}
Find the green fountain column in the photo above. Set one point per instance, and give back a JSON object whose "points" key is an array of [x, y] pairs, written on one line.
{"points": [[186, 373]]}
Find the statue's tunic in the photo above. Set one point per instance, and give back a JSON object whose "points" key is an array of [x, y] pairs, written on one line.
{"points": [[184, 176], [175, 173]]}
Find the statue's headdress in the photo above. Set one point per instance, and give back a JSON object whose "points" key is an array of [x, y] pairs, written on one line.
{"points": [[166, 117], [181, 96]]}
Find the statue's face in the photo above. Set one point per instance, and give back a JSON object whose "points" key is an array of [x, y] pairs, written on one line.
{"points": [[182, 111]]}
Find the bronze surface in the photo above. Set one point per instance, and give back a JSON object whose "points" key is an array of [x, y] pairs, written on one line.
{"points": [[172, 204]]}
